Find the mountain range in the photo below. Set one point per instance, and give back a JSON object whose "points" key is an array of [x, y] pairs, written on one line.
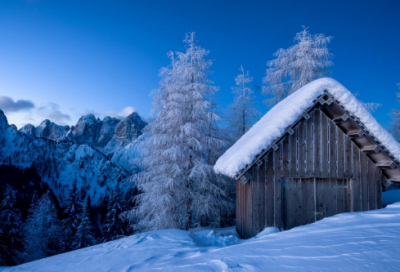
{"points": [[91, 153]]}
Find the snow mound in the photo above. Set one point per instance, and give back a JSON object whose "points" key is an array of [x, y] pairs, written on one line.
{"points": [[273, 124], [217, 238], [268, 231], [363, 241]]}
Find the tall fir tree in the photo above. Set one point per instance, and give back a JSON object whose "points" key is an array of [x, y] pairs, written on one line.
{"points": [[298, 65], [11, 240], [176, 170], [43, 232], [242, 113], [395, 125], [84, 236], [71, 214], [115, 226]]}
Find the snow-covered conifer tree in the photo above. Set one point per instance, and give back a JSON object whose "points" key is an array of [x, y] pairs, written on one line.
{"points": [[115, 226], [395, 125], [298, 65], [242, 113], [176, 170], [84, 236], [71, 214], [43, 232], [10, 230]]}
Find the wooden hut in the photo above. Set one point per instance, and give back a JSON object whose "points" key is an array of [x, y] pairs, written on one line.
{"points": [[327, 156]]}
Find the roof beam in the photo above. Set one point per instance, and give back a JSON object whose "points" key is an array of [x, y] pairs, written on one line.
{"points": [[341, 118], [386, 165], [355, 133], [371, 149]]}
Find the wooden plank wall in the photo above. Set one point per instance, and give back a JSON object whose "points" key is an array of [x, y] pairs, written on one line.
{"points": [[317, 148], [243, 209]]}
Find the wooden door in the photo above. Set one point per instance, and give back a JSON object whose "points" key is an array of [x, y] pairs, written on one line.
{"points": [[298, 202], [306, 200], [331, 197]]}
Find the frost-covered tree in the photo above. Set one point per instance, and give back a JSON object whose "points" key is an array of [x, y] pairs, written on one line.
{"points": [[11, 242], [242, 113], [178, 184], [115, 226], [71, 214], [298, 65], [84, 236], [43, 232], [395, 125]]}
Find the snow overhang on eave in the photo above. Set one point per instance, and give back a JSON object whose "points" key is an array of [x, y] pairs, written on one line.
{"points": [[351, 126]]}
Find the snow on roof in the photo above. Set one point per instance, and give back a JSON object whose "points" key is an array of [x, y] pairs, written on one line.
{"points": [[273, 124]]}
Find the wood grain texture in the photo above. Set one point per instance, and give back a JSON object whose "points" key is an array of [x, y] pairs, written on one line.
{"points": [[330, 172]]}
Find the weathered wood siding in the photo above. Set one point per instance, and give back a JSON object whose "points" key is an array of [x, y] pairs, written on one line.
{"points": [[320, 159]]}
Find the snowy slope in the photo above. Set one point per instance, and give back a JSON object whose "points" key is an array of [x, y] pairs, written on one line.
{"points": [[273, 124], [364, 241]]}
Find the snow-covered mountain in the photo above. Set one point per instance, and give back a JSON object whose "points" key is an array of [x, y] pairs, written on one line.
{"points": [[62, 155], [108, 135]]}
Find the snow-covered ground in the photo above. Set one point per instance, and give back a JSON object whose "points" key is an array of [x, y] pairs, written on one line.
{"points": [[364, 241]]}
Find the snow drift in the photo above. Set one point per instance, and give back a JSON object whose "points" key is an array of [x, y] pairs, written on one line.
{"points": [[363, 241]]}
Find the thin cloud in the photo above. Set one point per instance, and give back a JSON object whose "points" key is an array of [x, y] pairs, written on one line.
{"points": [[122, 114], [8, 105], [52, 112], [95, 113]]}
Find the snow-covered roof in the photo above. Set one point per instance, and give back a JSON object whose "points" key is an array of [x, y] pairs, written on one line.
{"points": [[273, 125]]}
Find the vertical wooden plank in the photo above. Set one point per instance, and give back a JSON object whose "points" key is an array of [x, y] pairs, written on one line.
{"points": [[331, 196], [249, 217], [356, 178], [261, 208], [371, 185], [269, 206], [342, 188], [254, 200], [286, 156], [332, 156], [290, 205], [277, 186], [317, 143], [239, 188], [320, 209], [364, 181], [238, 205], [332, 149], [324, 146], [292, 153], [310, 145], [379, 190], [348, 166], [301, 149], [349, 196], [243, 209], [340, 154], [298, 212], [308, 201]]}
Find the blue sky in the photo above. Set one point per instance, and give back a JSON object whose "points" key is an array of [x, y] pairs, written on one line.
{"points": [[69, 58]]}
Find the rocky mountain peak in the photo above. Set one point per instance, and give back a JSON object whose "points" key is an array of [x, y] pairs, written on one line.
{"points": [[3, 120], [28, 129]]}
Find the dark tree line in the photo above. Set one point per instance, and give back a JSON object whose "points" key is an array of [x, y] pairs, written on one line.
{"points": [[34, 226]]}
